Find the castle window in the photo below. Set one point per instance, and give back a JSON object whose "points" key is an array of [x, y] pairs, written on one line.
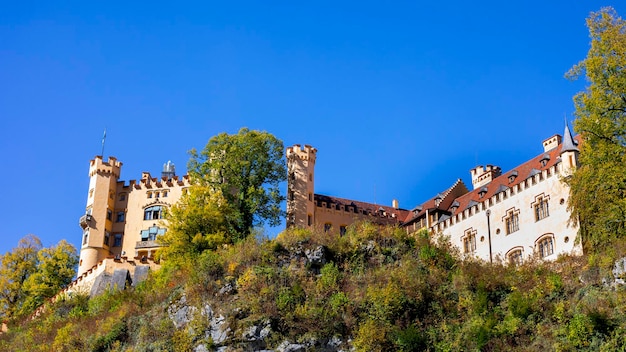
{"points": [[85, 237], [122, 196], [310, 177], [117, 240], [157, 194], [111, 194], [120, 216], [342, 230], [516, 257], [151, 233], [165, 193], [152, 213], [327, 227], [512, 221], [309, 220], [109, 215], [149, 194], [107, 236], [541, 208], [469, 241], [292, 195], [310, 197], [545, 246]]}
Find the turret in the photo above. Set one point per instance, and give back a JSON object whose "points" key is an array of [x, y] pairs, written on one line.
{"points": [[483, 175], [569, 153], [300, 185], [169, 171], [97, 220]]}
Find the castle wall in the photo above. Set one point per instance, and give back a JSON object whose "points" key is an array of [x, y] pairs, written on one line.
{"points": [[149, 192], [332, 218], [520, 200]]}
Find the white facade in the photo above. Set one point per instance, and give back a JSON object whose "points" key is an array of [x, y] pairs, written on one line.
{"points": [[528, 219]]}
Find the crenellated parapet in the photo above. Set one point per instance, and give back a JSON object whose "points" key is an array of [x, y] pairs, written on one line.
{"points": [[483, 175], [109, 167], [148, 182], [304, 153]]}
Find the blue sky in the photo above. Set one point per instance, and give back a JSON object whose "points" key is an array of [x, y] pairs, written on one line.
{"points": [[400, 98]]}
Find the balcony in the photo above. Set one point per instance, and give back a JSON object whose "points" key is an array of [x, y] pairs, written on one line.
{"points": [[147, 244], [84, 221]]}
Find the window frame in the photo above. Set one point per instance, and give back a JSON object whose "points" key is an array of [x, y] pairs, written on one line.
{"points": [[545, 245], [511, 221], [469, 241]]}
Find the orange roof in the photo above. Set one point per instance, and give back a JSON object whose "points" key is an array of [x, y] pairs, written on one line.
{"points": [[509, 179]]}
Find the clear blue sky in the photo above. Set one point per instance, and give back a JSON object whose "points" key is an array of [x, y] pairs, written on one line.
{"points": [[400, 99]]}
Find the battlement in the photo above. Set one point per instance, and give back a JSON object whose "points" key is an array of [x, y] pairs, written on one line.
{"points": [[305, 153], [483, 175], [149, 182], [111, 166]]}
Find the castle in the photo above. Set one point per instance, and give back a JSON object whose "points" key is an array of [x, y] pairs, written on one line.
{"points": [[506, 215], [122, 220]]}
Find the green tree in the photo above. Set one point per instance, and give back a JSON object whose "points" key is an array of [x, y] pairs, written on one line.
{"points": [[196, 223], [247, 168], [598, 187], [15, 268], [56, 266]]}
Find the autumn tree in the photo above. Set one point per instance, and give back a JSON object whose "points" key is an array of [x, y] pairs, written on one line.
{"points": [[247, 168], [196, 223], [56, 266], [29, 274], [598, 188], [15, 268]]}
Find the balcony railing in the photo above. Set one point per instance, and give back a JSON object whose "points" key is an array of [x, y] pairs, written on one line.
{"points": [[84, 221], [147, 244]]}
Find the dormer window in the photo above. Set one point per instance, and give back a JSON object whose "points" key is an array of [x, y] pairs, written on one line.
{"points": [[544, 160], [482, 192], [454, 206], [512, 176]]}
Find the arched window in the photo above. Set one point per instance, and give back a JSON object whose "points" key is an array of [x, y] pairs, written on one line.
{"points": [[152, 213], [545, 245], [515, 256]]}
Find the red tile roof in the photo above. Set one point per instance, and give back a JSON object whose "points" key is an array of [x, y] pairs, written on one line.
{"points": [[441, 201], [521, 173]]}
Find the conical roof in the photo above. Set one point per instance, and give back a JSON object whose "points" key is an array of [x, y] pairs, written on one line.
{"points": [[568, 141]]}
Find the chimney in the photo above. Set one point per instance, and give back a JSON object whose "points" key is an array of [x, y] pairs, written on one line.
{"points": [[394, 204]]}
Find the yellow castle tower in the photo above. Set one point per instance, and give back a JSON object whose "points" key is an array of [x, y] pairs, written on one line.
{"points": [[300, 185], [98, 219]]}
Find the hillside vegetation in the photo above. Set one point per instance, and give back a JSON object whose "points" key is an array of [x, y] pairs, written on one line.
{"points": [[372, 289]]}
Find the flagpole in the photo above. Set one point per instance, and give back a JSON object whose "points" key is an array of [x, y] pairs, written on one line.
{"points": [[104, 137]]}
